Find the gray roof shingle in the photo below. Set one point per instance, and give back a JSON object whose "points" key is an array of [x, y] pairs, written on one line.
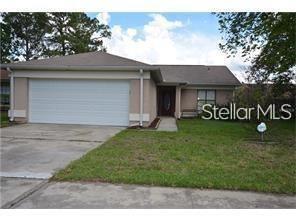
{"points": [[97, 58], [190, 74]]}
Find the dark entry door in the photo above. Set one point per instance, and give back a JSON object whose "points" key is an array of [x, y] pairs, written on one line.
{"points": [[166, 100]]}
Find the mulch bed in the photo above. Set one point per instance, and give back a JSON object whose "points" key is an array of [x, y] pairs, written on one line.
{"points": [[153, 125]]}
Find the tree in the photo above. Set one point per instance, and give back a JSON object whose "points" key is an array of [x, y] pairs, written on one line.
{"points": [[267, 40], [26, 36], [76, 33], [87, 34], [58, 43], [5, 40], [27, 32]]}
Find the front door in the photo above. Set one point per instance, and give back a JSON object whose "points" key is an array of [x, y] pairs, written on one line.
{"points": [[166, 100]]}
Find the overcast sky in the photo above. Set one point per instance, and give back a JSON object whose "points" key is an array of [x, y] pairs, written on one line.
{"points": [[168, 38]]}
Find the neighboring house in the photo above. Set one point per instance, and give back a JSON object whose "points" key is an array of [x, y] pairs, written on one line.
{"points": [[102, 89], [4, 89]]}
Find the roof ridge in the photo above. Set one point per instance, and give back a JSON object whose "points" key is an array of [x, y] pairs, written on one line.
{"points": [[188, 65]]}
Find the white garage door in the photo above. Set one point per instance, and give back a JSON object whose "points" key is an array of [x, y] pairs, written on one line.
{"points": [[94, 102]]}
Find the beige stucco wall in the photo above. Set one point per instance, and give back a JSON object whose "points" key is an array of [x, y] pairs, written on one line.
{"points": [[21, 93], [150, 100], [21, 98], [150, 104], [188, 99], [153, 100], [224, 96], [135, 96]]}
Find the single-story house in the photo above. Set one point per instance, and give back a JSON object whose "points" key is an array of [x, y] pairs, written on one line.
{"points": [[99, 88]]}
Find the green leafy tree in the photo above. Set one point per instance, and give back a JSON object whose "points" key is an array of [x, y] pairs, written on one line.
{"points": [[26, 32], [5, 42], [267, 40], [86, 34], [75, 33], [57, 39], [26, 36]]}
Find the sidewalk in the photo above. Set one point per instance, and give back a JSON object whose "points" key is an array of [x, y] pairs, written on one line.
{"points": [[167, 124], [106, 195]]}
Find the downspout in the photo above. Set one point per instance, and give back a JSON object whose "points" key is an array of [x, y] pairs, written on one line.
{"points": [[233, 94], [11, 108], [141, 97]]}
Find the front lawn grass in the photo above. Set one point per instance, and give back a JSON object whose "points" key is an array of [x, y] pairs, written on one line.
{"points": [[202, 154]]}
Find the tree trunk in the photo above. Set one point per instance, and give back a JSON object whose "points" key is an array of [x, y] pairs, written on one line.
{"points": [[27, 51]]}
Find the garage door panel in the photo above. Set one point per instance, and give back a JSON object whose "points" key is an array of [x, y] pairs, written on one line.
{"points": [[96, 102]]}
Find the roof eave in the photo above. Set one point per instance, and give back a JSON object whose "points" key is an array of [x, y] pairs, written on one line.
{"points": [[156, 74], [184, 83], [78, 68], [177, 83], [214, 84]]}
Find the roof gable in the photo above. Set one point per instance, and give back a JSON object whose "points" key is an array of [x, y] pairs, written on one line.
{"points": [[96, 58]]}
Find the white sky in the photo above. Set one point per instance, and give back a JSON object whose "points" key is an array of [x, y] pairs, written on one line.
{"points": [[160, 42]]}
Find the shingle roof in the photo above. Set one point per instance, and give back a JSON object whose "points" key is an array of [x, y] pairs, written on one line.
{"points": [[190, 74], [198, 74], [97, 58]]}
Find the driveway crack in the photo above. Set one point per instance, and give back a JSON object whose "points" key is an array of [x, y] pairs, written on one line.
{"points": [[25, 195]]}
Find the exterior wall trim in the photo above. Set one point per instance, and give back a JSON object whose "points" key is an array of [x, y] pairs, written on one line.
{"points": [[17, 113], [81, 74], [211, 87], [136, 117]]}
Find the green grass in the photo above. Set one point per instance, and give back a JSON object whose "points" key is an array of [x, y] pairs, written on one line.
{"points": [[4, 119], [202, 154]]}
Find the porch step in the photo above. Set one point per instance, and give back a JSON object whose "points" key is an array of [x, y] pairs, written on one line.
{"points": [[191, 113]]}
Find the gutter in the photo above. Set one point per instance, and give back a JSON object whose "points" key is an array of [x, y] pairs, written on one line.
{"points": [[141, 97], [215, 85], [78, 68]]}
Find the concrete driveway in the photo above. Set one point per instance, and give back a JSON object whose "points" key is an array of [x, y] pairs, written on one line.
{"points": [[36, 151]]}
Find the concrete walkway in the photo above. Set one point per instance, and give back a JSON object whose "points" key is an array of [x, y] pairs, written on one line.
{"points": [[167, 124], [105, 195]]}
